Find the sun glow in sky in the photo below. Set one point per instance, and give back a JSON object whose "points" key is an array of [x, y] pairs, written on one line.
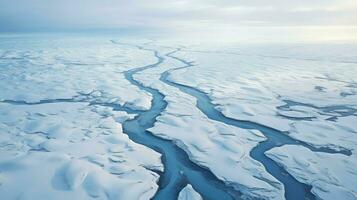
{"points": [[232, 20]]}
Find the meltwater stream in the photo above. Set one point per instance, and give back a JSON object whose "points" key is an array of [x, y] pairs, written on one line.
{"points": [[294, 190], [178, 169]]}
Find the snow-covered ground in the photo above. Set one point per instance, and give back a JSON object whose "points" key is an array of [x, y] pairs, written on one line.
{"points": [[56, 141], [71, 150], [332, 176], [188, 193], [306, 91], [251, 85], [208, 142], [61, 126], [62, 68]]}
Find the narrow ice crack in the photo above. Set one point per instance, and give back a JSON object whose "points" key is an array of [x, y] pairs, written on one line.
{"points": [[332, 110], [80, 98]]}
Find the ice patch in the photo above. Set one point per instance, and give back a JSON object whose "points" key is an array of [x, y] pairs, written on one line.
{"points": [[188, 193], [332, 176]]}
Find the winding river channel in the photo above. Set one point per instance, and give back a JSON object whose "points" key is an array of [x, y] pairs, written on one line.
{"points": [[178, 168]]}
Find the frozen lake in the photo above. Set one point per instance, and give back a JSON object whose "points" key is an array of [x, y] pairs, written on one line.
{"points": [[105, 117]]}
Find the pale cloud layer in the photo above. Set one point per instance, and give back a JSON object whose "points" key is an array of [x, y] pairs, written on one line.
{"points": [[253, 19]]}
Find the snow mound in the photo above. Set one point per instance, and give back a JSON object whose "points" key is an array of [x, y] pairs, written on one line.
{"points": [[332, 176], [188, 193], [69, 151]]}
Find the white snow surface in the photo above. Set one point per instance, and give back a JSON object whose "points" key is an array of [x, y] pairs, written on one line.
{"points": [[62, 68], [333, 176], [55, 144], [208, 142], [318, 83], [68, 150], [55, 137], [306, 91]]}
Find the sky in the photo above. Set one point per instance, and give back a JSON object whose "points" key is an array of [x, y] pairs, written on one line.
{"points": [[241, 20]]}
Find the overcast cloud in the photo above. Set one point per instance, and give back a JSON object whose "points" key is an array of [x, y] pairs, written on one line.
{"points": [[329, 19]]}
